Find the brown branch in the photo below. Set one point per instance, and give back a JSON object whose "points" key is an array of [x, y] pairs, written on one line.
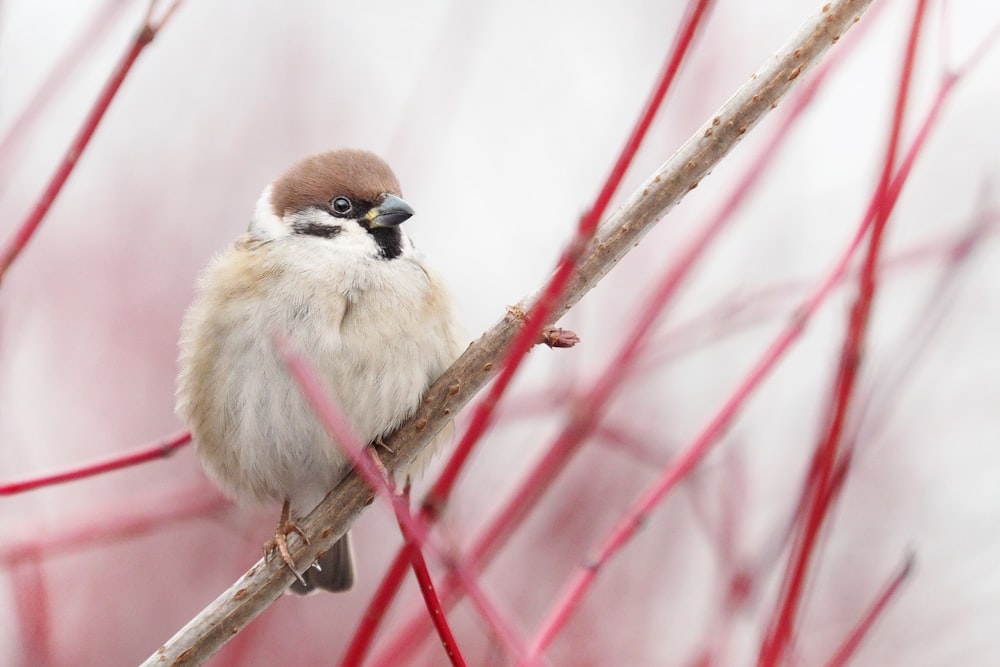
{"points": [[265, 582]]}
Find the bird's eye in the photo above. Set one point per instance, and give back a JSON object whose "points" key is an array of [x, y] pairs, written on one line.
{"points": [[341, 205]]}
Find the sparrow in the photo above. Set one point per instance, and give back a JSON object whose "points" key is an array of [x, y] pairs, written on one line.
{"points": [[325, 264]]}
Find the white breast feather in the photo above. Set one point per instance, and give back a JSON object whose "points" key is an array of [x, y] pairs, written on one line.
{"points": [[378, 332]]}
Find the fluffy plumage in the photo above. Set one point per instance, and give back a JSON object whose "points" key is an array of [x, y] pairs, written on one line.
{"points": [[378, 328]]}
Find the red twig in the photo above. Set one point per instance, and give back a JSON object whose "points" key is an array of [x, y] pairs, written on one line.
{"points": [[817, 500], [732, 315], [56, 78], [692, 454], [874, 409], [158, 450], [431, 600], [626, 528], [116, 525], [592, 406], [34, 612], [589, 408], [860, 631], [539, 315], [414, 528], [375, 611], [336, 424], [31, 223]]}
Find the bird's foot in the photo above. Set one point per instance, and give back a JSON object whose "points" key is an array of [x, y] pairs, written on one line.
{"points": [[279, 543], [379, 443]]}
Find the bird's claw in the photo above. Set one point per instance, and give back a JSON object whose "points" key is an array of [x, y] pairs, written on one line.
{"points": [[279, 543], [379, 443]]}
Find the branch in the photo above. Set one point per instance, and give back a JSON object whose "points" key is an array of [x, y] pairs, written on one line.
{"points": [[30, 225], [377, 477], [433, 603], [872, 614], [160, 449], [484, 413], [817, 502], [266, 581]]}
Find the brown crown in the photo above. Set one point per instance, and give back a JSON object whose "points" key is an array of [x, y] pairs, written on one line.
{"points": [[359, 175]]}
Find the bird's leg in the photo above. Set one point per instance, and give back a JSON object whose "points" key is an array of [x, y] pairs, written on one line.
{"points": [[387, 476], [379, 443], [279, 543], [373, 455]]}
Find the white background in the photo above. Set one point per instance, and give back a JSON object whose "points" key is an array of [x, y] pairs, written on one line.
{"points": [[501, 120]]}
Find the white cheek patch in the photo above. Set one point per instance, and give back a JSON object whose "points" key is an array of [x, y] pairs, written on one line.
{"points": [[265, 224]]}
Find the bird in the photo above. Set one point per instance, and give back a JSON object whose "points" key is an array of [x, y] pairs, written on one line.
{"points": [[325, 264]]}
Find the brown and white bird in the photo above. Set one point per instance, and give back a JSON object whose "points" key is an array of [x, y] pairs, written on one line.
{"points": [[324, 263]]}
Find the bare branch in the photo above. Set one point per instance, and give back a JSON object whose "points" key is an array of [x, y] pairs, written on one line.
{"points": [[248, 597]]}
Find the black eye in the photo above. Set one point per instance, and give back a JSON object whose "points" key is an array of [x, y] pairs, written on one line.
{"points": [[341, 205]]}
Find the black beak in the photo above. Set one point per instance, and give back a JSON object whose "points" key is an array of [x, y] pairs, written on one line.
{"points": [[390, 212]]}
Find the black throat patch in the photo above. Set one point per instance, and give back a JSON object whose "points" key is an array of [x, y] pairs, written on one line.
{"points": [[389, 240]]}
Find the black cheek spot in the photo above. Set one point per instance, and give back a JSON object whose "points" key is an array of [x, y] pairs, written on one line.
{"points": [[316, 229]]}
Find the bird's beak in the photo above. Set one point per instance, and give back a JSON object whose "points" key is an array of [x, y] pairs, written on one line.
{"points": [[390, 212]]}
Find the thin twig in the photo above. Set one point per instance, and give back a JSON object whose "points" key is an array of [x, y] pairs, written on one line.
{"points": [[55, 81], [415, 531], [158, 450], [590, 407], [689, 457], [546, 299], [29, 226], [114, 525], [484, 412], [364, 635], [816, 502], [860, 631], [431, 600], [880, 400], [881, 204], [619, 234]]}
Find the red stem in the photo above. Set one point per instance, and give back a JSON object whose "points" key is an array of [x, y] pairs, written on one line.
{"points": [[415, 529], [860, 631], [375, 611], [115, 524], [54, 81], [818, 500], [539, 314], [31, 223], [34, 608], [585, 417], [434, 609], [158, 450], [691, 455]]}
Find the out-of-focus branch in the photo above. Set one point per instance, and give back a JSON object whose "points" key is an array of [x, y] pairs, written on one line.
{"points": [[158, 450], [435, 610], [245, 599], [371, 469], [31, 223], [485, 412], [90, 36], [872, 614], [817, 500], [113, 524]]}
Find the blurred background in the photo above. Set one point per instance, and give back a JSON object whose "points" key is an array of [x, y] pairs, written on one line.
{"points": [[501, 121]]}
